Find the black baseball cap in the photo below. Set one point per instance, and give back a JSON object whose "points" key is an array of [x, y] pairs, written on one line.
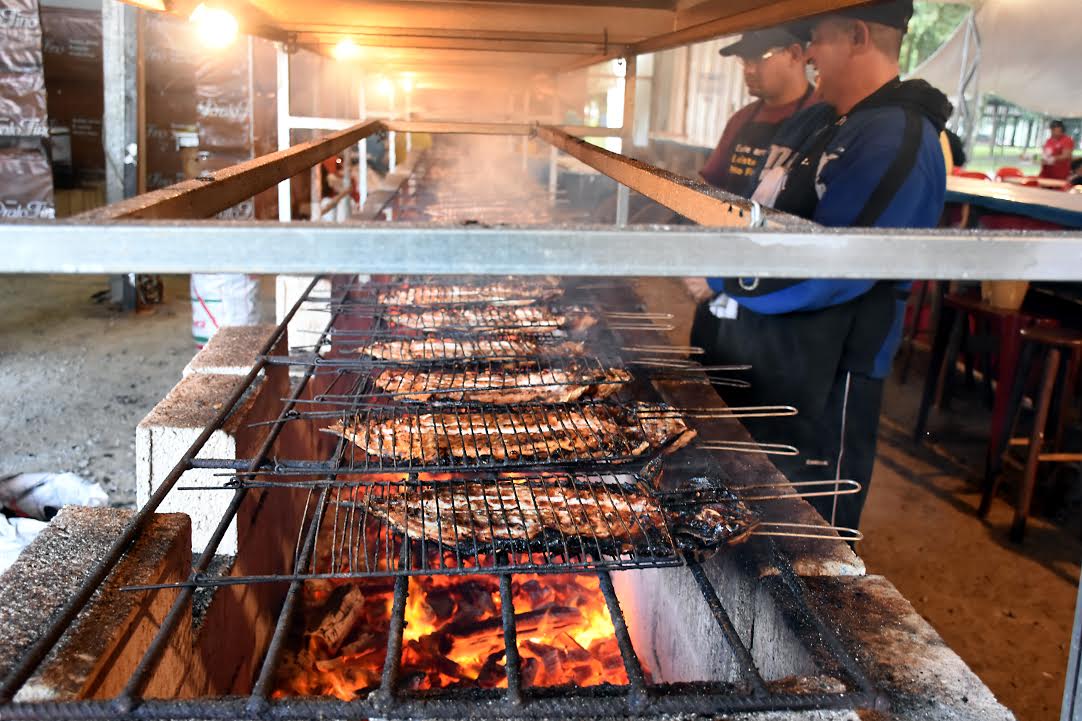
{"points": [[756, 43], [892, 13]]}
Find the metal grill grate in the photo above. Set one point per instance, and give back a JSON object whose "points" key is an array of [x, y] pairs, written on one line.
{"points": [[447, 347], [457, 437], [517, 523]]}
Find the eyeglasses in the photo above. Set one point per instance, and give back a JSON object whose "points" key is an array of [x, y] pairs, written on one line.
{"points": [[762, 58]]}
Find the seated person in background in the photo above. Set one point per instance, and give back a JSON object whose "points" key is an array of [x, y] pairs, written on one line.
{"points": [[1056, 157]]}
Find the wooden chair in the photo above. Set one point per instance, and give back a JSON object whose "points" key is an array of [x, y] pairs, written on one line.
{"points": [[1062, 351]]}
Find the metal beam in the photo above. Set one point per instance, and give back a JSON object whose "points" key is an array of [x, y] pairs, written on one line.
{"points": [[459, 128], [272, 247], [203, 198], [495, 44], [453, 127], [697, 201]]}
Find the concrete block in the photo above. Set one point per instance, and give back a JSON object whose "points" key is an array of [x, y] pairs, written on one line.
{"points": [[919, 676], [311, 318], [166, 433], [233, 350], [98, 653]]}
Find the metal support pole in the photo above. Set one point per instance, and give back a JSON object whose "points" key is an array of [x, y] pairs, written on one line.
{"points": [[120, 130], [362, 152], [554, 170], [344, 206], [1072, 687], [623, 199], [409, 116], [392, 159], [285, 211], [554, 154], [627, 125]]}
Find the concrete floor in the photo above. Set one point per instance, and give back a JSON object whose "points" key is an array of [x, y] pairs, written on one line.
{"points": [[75, 378]]}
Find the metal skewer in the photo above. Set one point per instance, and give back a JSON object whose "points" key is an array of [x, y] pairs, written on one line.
{"points": [[809, 530], [769, 449]]}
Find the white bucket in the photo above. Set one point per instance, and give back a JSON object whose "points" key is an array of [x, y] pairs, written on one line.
{"points": [[222, 299]]}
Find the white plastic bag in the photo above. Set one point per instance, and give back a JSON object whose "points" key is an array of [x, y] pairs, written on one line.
{"points": [[41, 495], [221, 299], [15, 535]]}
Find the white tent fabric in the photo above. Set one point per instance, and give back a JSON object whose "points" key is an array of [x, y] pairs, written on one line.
{"points": [[1028, 55]]}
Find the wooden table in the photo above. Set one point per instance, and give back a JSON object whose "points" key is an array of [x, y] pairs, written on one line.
{"points": [[1053, 206], [1051, 183]]}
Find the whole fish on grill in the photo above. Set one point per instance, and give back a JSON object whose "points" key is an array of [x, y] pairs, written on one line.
{"points": [[538, 433], [503, 385], [520, 319], [507, 293], [444, 348], [564, 514]]}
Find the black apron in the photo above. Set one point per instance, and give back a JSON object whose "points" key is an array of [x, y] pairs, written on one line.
{"points": [[750, 148]]}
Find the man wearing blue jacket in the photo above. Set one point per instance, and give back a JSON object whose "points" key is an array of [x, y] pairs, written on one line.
{"points": [[868, 156]]}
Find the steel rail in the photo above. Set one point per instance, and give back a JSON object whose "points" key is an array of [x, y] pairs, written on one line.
{"points": [[305, 248], [697, 201], [203, 197]]}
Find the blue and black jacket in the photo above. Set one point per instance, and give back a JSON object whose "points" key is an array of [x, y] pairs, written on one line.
{"points": [[880, 165]]}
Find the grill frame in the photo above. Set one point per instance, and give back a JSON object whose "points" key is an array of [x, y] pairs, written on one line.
{"points": [[636, 698]]}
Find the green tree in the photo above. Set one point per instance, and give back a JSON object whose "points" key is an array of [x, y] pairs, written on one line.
{"points": [[932, 25]]}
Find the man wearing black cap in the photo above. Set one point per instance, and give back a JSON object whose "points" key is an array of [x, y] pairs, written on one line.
{"points": [[774, 70], [868, 156]]}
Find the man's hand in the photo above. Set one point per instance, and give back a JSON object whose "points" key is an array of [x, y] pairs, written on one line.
{"points": [[698, 289]]}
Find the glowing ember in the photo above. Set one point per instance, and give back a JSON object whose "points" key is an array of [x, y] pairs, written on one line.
{"points": [[453, 635]]}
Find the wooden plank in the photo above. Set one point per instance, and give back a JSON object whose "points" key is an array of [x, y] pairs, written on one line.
{"points": [[202, 198], [697, 201], [751, 14]]}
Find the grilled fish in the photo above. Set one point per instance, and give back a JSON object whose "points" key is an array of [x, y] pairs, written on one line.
{"points": [[440, 348], [540, 433], [562, 514], [508, 385], [518, 293], [525, 319]]}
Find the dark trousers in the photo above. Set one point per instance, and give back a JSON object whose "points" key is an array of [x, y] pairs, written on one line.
{"points": [[843, 430]]}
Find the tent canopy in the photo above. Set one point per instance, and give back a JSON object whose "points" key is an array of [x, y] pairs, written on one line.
{"points": [[1026, 57]]}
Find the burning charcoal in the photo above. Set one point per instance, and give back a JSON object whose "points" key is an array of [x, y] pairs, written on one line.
{"points": [[538, 593], [493, 672], [441, 603], [415, 681], [575, 652], [475, 600], [549, 657], [531, 669], [343, 611]]}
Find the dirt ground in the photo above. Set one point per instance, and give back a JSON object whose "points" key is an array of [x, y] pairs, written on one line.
{"points": [[76, 377]]}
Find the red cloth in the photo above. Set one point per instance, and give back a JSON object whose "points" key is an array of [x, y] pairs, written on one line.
{"points": [[716, 169], [1061, 169]]}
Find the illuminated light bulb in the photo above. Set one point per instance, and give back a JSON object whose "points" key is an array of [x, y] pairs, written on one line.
{"points": [[345, 49], [216, 27], [407, 83], [385, 86]]}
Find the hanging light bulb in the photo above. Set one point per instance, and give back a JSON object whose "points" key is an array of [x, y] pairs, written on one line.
{"points": [[407, 83], [386, 86], [216, 27], [345, 49]]}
